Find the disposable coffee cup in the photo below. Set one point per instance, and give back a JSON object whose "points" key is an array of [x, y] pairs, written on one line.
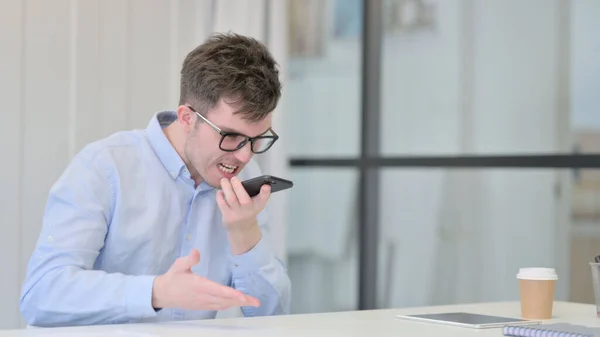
{"points": [[536, 286]]}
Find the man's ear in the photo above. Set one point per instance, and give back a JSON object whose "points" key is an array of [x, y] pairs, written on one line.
{"points": [[185, 117]]}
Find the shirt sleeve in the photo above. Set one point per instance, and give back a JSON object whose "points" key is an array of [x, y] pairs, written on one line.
{"points": [[259, 273], [61, 288]]}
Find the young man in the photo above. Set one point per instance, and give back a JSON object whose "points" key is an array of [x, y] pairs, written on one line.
{"points": [[154, 224]]}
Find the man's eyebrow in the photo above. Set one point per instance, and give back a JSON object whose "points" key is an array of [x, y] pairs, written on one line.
{"points": [[226, 129], [230, 130]]}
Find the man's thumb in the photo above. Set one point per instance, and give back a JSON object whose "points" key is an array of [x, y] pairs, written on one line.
{"points": [[185, 263]]}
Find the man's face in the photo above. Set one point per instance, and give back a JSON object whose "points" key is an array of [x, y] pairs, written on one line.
{"points": [[202, 150]]}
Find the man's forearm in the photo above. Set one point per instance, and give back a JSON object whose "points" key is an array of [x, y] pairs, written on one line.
{"points": [[260, 274], [68, 296]]}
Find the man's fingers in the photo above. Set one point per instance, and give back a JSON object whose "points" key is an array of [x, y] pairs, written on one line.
{"points": [[230, 196], [262, 198], [220, 303], [240, 191], [252, 301], [219, 290], [228, 293], [207, 301], [221, 201]]}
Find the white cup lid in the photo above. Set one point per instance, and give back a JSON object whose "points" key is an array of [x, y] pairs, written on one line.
{"points": [[537, 274]]}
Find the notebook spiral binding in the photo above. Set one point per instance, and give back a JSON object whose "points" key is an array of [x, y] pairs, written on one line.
{"points": [[538, 331]]}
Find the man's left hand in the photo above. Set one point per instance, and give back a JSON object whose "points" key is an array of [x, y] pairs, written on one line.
{"points": [[240, 212]]}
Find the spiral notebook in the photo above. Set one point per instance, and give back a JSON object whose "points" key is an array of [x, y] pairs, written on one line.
{"points": [[551, 330]]}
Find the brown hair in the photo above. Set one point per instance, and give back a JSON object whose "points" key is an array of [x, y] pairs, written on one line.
{"points": [[234, 67]]}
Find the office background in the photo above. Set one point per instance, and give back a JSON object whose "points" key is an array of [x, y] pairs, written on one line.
{"points": [[456, 77]]}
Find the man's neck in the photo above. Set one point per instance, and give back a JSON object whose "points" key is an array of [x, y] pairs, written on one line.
{"points": [[177, 141]]}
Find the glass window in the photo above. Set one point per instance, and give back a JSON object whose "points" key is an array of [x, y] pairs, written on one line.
{"points": [[322, 89], [461, 77], [585, 76], [455, 236], [321, 240]]}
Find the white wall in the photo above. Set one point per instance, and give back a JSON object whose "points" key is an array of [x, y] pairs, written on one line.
{"points": [[12, 143], [74, 71]]}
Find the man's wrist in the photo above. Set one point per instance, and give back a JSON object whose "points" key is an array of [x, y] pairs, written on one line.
{"points": [[156, 286], [243, 240]]}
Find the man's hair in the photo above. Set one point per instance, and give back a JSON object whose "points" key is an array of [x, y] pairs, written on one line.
{"points": [[237, 68]]}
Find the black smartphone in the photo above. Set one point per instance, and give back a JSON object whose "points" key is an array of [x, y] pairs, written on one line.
{"points": [[253, 185]]}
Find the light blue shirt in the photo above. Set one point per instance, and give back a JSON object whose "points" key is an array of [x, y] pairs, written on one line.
{"points": [[121, 213]]}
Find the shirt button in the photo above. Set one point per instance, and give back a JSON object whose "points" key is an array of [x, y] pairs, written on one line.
{"points": [[50, 239], [188, 237]]}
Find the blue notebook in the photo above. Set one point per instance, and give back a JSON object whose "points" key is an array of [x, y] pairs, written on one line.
{"points": [[552, 330]]}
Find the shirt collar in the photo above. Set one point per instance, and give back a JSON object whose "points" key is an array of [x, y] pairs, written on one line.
{"points": [[161, 145]]}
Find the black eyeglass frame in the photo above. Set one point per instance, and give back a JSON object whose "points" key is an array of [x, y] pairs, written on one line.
{"points": [[274, 137]]}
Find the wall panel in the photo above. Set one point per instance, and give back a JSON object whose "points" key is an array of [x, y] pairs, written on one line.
{"points": [[11, 132]]}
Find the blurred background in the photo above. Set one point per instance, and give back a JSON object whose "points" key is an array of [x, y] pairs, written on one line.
{"points": [[454, 78]]}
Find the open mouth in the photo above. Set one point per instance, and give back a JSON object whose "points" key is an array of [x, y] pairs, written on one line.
{"points": [[227, 168]]}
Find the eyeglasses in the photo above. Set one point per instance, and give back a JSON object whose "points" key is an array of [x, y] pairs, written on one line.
{"points": [[233, 141]]}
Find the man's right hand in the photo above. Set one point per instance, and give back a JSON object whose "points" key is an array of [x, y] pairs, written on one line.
{"points": [[180, 288]]}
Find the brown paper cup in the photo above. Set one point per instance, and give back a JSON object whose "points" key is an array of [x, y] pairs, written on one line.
{"points": [[537, 298], [536, 286]]}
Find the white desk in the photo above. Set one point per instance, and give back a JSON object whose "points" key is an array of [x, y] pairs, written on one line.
{"points": [[373, 323]]}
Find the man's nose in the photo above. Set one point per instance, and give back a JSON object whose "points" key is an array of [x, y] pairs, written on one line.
{"points": [[245, 153]]}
